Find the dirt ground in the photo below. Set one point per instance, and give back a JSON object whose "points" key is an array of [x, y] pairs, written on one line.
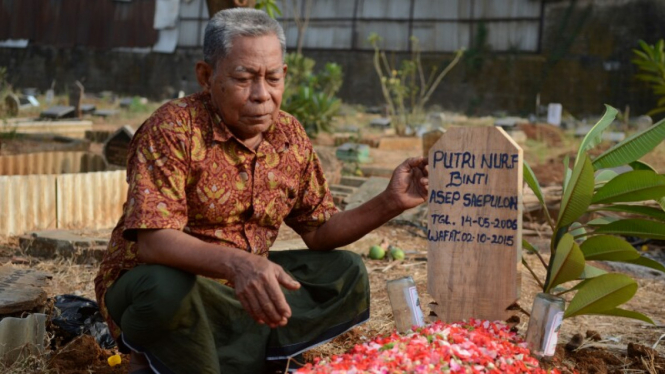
{"points": [[611, 353], [608, 355]]}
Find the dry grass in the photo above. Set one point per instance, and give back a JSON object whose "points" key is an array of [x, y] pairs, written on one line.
{"points": [[29, 361], [68, 277], [30, 364]]}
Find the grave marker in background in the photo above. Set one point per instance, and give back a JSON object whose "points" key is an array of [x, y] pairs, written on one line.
{"points": [[554, 112], [474, 224], [116, 146], [76, 97]]}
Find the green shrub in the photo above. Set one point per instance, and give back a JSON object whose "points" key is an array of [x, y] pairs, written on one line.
{"points": [[590, 187], [311, 97], [651, 61], [407, 89]]}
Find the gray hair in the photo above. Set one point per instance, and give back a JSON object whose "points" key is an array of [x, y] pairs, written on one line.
{"points": [[227, 24]]}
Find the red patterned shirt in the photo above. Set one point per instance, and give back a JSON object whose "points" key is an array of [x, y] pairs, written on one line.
{"points": [[187, 171]]}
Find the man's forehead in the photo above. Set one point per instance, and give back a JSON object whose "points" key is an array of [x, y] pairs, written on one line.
{"points": [[247, 69]]}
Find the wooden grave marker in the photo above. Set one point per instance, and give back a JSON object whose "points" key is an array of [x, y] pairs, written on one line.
{"points": [[474, 224], [116, 146], [76, 97]]}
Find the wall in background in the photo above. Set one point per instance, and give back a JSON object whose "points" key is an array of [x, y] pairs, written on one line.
{"points": [[586, 47]]}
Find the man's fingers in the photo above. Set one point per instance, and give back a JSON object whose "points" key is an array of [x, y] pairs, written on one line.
{"points": [[269, 310], [251, 305], [278, 300], [285, 280], [416, 162]]}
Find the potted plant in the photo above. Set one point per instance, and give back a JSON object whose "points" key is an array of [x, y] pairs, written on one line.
{"points": [[592, 187]]}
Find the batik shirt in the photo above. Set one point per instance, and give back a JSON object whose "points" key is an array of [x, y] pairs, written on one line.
{"points": [[186, 171]]}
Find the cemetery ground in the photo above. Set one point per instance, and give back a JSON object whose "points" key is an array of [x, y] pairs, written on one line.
{"points": [[587, 344]]}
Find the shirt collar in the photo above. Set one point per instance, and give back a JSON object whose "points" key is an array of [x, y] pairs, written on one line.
{"points": [[221, 133]]}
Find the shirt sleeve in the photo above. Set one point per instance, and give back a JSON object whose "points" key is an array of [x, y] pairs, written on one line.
{"points": [[157, 170], [315, 204]]}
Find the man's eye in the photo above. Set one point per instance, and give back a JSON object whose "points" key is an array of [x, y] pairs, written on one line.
{"points": [[242, 79]]}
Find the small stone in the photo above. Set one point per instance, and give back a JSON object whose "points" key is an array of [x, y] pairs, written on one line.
{"points": [[638, 351], [593, 335], [17, 260], [575, 342]]}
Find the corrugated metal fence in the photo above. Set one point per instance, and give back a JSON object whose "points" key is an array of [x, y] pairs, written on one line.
{"points": [[90, 200], [27, 203], [51, 163], [67, 201], [439, 25]]}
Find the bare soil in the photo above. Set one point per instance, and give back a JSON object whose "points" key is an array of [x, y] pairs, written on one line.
{"points": [[618, 346]]}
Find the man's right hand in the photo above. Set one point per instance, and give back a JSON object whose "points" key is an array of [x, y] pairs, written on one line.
{"points": [[257, 283], [257, 280]]}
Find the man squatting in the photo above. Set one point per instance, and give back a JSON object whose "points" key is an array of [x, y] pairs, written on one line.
{"points": [[187, 284]]}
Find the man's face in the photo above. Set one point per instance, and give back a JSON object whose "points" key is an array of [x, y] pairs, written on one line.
{"points": [[247, 85]]}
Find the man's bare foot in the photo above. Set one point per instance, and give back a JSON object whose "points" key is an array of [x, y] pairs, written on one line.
{"points": [[137, 361]]}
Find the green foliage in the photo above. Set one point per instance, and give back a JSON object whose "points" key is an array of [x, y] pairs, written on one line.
{"points": [[589, 189], [3, 78], [138, 105], [407, 89], [268, 6], [5, 89], [651, 62], [311, 97], [479, 50], [567, 264], [602, 293]]}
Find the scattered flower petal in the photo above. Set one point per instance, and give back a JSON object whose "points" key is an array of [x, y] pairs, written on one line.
{"points": [[475, 346]]}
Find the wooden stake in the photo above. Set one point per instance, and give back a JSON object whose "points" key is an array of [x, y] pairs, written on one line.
{"points": [[474, 224]]}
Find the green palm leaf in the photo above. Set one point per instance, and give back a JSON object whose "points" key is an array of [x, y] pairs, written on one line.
{"points": [[567, 172], [647, 262], [656, 213], [656, 111], [608, 248], [588, 273], [595, 135], [600, 294], [578, 193], [634, 227], [640, 165], [532, 182], [632, 148], [528, 246], [577, 231], [618, 312], [605, 176], [567, 264], [636, 185], [600, 221]]}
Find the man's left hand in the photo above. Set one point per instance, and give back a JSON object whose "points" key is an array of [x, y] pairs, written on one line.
{"points": [[409, 183]]}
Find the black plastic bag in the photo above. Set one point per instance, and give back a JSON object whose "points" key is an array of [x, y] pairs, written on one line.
{"points": [[76, 315]]}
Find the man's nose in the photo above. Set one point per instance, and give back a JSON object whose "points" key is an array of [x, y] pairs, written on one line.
{"points": [[260, 91]]}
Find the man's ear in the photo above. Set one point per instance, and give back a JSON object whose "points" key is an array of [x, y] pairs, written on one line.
{"points": [[203, 75], [286, 67]]}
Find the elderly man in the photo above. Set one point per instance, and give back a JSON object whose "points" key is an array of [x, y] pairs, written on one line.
{"points": [[187, 282]]}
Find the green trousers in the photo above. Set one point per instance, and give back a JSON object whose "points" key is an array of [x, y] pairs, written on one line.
{"points": [[191, 324]]}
